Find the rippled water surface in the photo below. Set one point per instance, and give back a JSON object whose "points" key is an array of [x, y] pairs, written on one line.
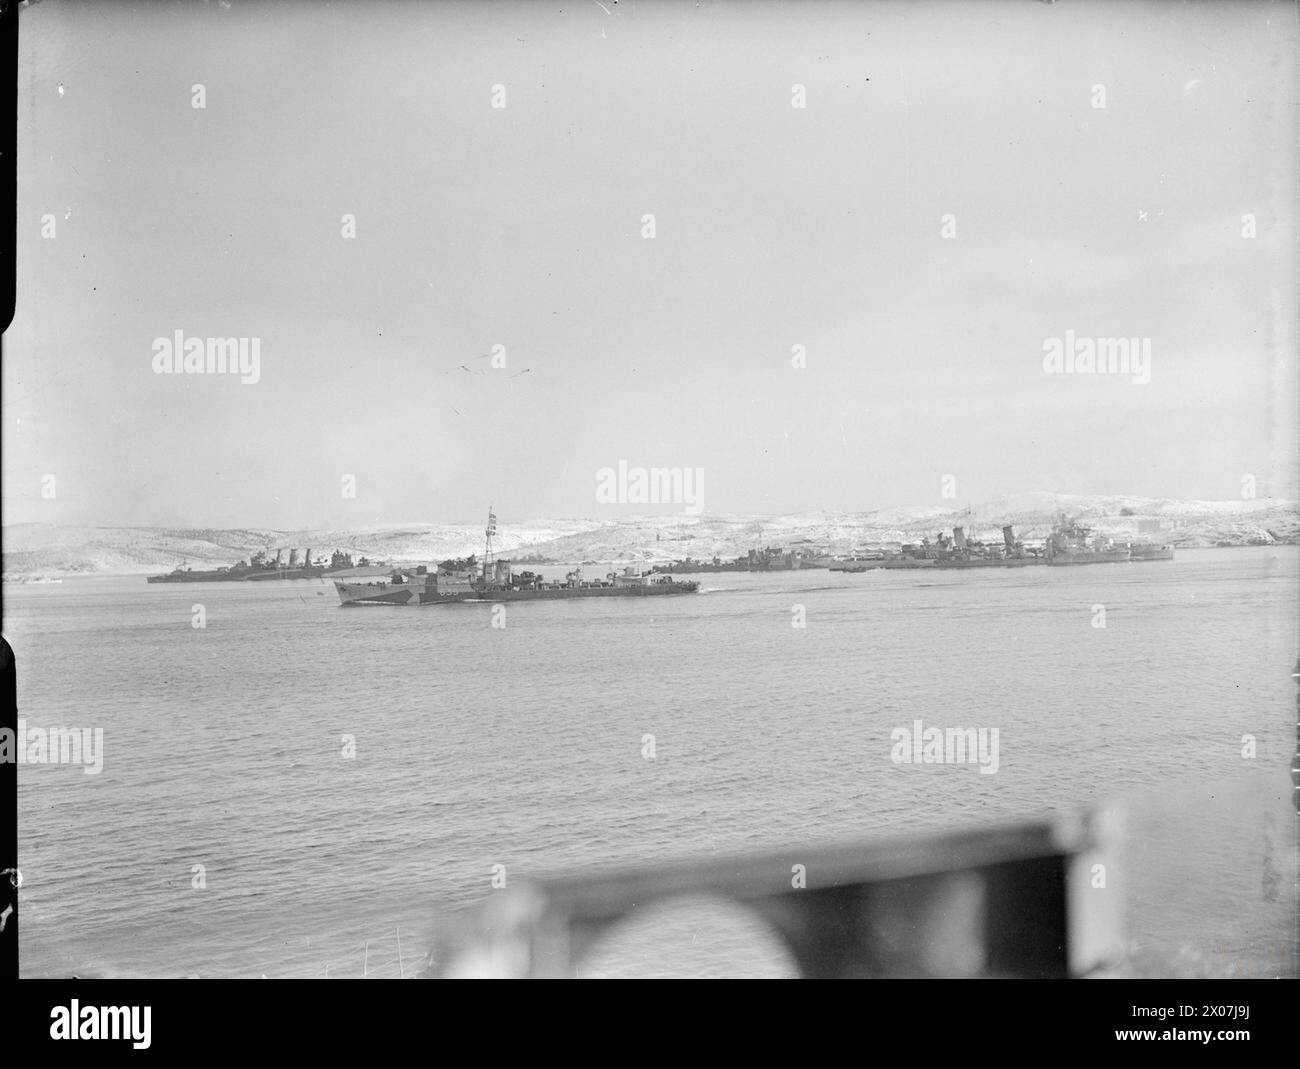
{"points": [[523, 747]]}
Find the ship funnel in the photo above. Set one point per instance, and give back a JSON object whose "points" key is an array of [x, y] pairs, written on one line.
{"points": [[293, 558], [959, 537], [307, 559], [278, 554], [1009, 537]]}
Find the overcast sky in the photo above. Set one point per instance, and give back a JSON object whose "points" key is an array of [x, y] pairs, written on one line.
{"points": [[522, 226]]}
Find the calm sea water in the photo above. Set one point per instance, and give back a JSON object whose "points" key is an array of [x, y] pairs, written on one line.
{"points": [[522, 747]]}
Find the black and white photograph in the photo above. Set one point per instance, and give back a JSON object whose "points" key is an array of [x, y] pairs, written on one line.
{"points": [[653, 489]]}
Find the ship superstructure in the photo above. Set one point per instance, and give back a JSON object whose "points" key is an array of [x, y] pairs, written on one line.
{"points": [[1073, 543], [495, 581], [261, 566]]}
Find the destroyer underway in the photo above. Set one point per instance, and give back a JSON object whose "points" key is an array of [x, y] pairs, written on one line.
{"points": [[461, 581]]}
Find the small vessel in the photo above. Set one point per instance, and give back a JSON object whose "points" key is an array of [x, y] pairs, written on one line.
{"points": [[874, 562], [456, 582]]}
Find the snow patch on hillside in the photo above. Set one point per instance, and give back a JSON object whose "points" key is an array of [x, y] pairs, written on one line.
{"points": [[43, 549]]}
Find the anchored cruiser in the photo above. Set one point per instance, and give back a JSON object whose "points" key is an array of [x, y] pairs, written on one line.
{"points": [[497, 582], [1070, 542]]}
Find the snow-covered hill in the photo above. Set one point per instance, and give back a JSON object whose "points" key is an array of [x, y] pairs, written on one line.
{"points": [[40, 549]]}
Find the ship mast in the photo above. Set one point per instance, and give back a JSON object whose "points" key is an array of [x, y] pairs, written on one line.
{"points": [[487, 546]]}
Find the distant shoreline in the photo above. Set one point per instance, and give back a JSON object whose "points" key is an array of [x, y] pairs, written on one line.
{"points": [[62, 551], [50, 577]]}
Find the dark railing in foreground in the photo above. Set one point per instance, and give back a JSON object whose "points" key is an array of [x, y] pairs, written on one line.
{"points": [[1033, 900]]}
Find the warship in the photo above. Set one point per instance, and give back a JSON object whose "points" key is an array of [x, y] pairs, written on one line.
{"points": [[944, 552], [966, 553], [260, 566], [455, 582], [769, 559], [1072, 543]]}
